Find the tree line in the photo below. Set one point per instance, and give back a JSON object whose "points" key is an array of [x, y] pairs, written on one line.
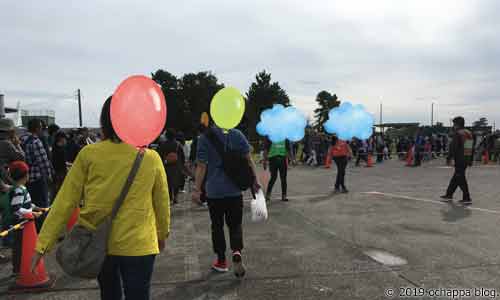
{"points": [[187, 97]]}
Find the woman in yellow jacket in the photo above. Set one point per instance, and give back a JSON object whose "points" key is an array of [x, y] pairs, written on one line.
{"points": [[141, 225]]}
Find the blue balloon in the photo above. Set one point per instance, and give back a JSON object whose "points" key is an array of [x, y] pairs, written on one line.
{"points": [[348, 121], [280, 123]]}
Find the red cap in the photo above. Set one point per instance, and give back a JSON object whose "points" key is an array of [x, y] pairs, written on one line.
{"points": [[19, 167]]}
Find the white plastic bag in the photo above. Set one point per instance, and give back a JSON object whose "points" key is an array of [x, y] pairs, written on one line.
{"points": [[258, 207]]}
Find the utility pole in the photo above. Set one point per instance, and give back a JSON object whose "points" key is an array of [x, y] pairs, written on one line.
{"points": [[381, 126], [432, 114], [2, 106], [80, 107]]}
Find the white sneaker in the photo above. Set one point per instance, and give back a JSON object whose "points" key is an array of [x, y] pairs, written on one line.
{"points": [[238, 267]]}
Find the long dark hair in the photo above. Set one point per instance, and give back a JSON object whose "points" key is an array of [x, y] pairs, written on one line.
{"points": [[108, 131], [334, 140]]}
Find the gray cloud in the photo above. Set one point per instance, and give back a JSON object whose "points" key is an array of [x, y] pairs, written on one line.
{"points": [[364, 51]]}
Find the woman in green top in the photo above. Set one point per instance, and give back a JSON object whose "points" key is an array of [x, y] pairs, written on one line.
{"points": [[276, 154]]}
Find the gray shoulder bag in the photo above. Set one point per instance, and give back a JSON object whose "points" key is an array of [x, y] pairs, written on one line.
{"points": [[83, 251]]}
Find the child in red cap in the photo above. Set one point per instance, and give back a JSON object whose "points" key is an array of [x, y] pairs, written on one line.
{"points": [[20, 205]]}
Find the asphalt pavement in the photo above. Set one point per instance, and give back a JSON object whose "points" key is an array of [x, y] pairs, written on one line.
{"points": [[389, 238]]}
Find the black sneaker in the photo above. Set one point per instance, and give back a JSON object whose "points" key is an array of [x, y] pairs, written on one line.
{"points": [[465, 202], [344, 191], [446, 198], [336, 190], [238, 267], [284, 199]]}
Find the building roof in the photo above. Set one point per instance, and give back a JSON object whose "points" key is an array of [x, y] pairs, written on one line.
{"points": [[397, 125]]}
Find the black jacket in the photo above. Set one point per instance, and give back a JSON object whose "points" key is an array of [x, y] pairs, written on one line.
{"points": [[457, 150]]}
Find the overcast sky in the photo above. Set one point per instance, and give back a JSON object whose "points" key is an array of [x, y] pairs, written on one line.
{"points": [[406, 54]]}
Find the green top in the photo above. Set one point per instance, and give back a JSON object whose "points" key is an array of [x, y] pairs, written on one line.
{"points": [[277, 149]]}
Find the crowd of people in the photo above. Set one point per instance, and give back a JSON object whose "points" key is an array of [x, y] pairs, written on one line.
{"points": [[314, 149], [33, 166], [48, 167]]}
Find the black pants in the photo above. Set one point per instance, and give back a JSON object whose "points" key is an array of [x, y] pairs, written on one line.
{"points": [[459, 180], [229, 210], [362, 156], [39, 192], [203, 196], [132, 272], [58, 181], [380, 155], [17, 250], [418, 158], [341, 163], [277, 163]]}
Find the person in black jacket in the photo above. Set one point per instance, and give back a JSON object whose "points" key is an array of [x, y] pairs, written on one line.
{"points": [[172, 156], [59, 160], [461, 151]]}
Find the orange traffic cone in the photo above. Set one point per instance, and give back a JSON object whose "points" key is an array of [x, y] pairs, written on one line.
{"points": [[486, 157], [409, 158], [74, 218], [369, 161], [27, 281]]}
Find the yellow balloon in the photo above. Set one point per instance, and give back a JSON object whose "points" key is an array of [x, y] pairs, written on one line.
{"points": [[227, 108]]}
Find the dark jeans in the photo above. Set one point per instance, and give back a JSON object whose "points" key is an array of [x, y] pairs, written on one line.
{"points": [[277, 163], [341, 163], [173, 181], [459, 180], [17, 250], [39, 192], [132, 272], [58, 181], [418, 158], [231, 210], [380, 155], [362, 156]]}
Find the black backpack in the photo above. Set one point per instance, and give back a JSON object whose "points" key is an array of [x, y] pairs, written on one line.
{"points": [[235, 164]]}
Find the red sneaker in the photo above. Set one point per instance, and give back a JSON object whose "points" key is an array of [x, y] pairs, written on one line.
{"points": [[220, 266]]}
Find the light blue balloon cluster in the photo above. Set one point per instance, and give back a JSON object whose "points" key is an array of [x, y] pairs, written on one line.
{"points": [[348, 121], [280, 123]]}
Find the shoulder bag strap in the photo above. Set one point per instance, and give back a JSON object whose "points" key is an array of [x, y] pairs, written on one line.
{"points": [[216, 142], [128, 183]]}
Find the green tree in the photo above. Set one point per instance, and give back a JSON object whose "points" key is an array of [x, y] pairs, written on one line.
{"points": [[481, 123], [262, 94], [197, 91], [187, 98], [326, 102], [175, 105]]}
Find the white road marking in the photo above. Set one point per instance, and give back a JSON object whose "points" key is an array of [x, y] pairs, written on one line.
{"points": [[430, 201], [294, 197]]}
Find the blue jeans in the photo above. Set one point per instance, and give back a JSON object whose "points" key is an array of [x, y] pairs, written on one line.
{"points": [[132, 272]]}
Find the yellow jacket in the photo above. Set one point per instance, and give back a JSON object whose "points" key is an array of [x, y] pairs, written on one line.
{"points": [[95, 180]]}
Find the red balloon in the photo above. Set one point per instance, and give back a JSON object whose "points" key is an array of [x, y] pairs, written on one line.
{"points": [[138, 110]]}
